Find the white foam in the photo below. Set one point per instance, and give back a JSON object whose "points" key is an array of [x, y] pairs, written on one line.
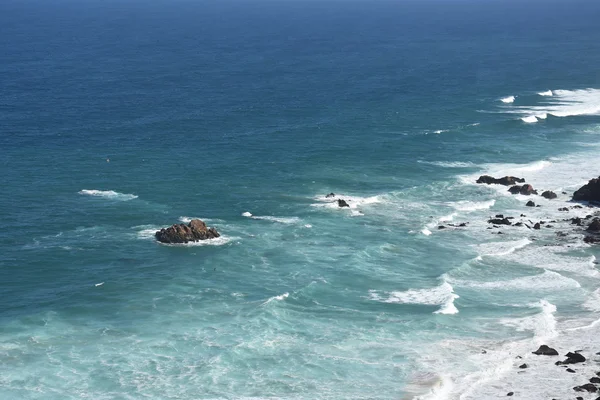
{"points": [[543, 325], [277, 298], [147, 231], [308, 226], [546, 93], [99, 284], [440, 131], [548, 280], [553, 258], [354, 202], [425, 231], [564, 103], [472, 205], [281, 220], [448, 164], [502, 248], [508, 99], [108, 194], [530, 119], [219, 241], [442, 295]]}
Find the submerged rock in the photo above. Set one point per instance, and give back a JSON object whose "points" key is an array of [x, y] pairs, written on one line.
{"points": [[589, 191], [195, 231], [330, 195], [544, 350]]}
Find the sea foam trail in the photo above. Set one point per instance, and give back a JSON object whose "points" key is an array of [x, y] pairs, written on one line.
{"points": [[472, 205], [548, 280], [502, 248], [281, 220], [508, 99], [442, 295], [108, 194]]}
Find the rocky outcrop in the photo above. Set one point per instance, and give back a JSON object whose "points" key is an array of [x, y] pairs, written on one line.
{"points": [[342, 203], [594, 227], [525, 189], [506, 181], [589, 191], [330, 195], [549, 195], [499, 221], [545, 351], [572, 358], [530, 204], [195, 231]]}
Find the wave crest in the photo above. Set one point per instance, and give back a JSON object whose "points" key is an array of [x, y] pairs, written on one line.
{"points": [[108, 194]]}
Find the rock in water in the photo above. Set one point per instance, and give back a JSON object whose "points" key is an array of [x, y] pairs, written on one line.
{"points": [[527, 190], [330, 195], [530, 204], [572, 358], [499, 221], [588, 387], [589, 191], [195, 231], [515, 189], [545, 351], [342, 203], [549, 195], [506, 181], [594, 226]]}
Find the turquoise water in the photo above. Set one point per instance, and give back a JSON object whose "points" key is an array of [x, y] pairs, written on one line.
{"points": [[118, 119]]}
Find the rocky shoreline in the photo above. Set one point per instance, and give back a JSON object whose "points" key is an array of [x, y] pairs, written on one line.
{"points": [[588, 195]]}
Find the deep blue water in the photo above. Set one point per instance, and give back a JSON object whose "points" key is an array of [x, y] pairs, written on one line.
{"points": [[118, 118]]}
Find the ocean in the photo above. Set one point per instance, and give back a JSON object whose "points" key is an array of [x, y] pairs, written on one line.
{"points": [[119, 118]]}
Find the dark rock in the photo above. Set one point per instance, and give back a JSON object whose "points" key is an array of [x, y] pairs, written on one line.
{"points": [[537, 225], [545, 351], [588, 387], [574, 358], [527, 190], [523, 366], [549, 226], [570, 370], [441, 227], [591, 239], [463, 224], [549, 195], [506, 181], [589, 191], [518, 224], [499, 215], [576, 221], [594, 226], [510, 393], [595, 379], [499, 221], [342, 203], [563, 209], [530, 204], [195, 231], [515, 189], [523, 215], [330, 195]]}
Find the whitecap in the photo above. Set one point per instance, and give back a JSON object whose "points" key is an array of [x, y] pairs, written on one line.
{"points": [[353, 201], [440, 131], [442, 295], [543, 324], [108, 194], [548, 280], [448, 164], [502, 248], [546, 93], [277, 298], [281, 220], [425, 231], [508, 99], [473, 205], [529, 119]]}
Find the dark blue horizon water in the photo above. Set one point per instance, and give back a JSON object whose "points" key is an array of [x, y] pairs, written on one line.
{"points": [[213, 109]]}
